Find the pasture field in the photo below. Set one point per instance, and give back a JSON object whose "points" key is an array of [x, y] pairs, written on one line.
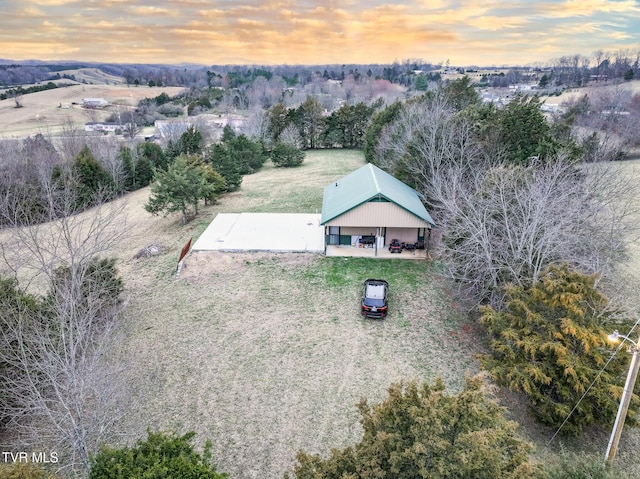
{"points": [[50, 112], [573, 93]]}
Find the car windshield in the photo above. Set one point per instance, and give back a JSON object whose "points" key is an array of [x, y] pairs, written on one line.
{"points": [[373, 302], [374, 295]]}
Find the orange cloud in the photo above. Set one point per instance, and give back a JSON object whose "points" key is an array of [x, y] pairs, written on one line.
{"points": [[315, 31]]}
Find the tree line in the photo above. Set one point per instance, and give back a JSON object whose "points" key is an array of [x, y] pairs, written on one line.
{"points": [[12, 92], [570, 70], [100, 169]]}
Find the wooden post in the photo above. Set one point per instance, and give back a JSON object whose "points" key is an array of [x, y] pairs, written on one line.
{"points": [[612, 448]]}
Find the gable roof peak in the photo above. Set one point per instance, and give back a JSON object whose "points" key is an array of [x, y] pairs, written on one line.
{"points": [[364, 184]]}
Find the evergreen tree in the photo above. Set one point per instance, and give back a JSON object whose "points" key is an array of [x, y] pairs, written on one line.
{"points": [[153, 153], [333, 136], [138, 171], [215, 182], [461, 93], [544, 81], [160, 456], [421, 83], [246, 153], [220, 160], [172, 150], [191, 142], [284, 154], [93, 182], [550, 343], [378, 122], [182, 186], [523, 129], [311, 122], [278, 121], [421, 432], [144, 171], [128, 168], [228, 134]]}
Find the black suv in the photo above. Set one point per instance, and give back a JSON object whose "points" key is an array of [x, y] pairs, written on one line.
{"points": [[374, 298]]}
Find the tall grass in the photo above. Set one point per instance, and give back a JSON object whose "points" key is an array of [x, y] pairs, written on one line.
{"points": [[582, 466]]}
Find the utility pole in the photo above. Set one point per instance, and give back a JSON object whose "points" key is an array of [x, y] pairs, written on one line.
{"points": [[612, 448]]}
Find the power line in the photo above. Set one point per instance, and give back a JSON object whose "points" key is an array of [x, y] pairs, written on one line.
{"points": [[613, 355]]}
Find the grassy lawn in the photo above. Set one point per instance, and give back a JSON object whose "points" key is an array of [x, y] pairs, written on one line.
{"points": [[264, 353], [292, 190]]}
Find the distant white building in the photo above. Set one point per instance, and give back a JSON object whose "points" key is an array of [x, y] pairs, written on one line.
{"points": [[102, 127], [94, 102], [525, 87], [549, 107]]}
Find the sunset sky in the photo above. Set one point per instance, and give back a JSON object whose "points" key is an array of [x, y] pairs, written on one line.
{"points": [[270, 32]]}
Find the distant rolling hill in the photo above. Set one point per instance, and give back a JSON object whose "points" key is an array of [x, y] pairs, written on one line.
{"points": [[92, 76]]}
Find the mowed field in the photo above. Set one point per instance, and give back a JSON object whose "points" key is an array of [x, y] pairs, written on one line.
{"points": [[593, 88], [49, 112], [265, 354]]}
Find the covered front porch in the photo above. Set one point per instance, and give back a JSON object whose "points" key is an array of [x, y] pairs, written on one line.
{"points": [[354, 251]]}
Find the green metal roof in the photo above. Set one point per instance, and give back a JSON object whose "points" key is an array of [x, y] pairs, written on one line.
{"points": [[365, 184]]}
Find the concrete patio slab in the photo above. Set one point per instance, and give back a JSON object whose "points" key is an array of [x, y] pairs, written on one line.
{"points": [[276, 232]]}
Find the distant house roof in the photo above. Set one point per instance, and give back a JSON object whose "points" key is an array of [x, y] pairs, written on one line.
{"points": [[365, 184], [94, 102]]}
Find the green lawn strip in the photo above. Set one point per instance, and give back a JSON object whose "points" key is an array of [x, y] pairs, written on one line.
{"points": [[292, 190]]}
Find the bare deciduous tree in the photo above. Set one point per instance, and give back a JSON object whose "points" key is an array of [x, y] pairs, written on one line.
{"points": [[427, 140], [17, 98], [291, 135], [256, 126], [60, 387], [171, 130], [606, 124], [70, 141], [501, 223], [106, 150]]}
